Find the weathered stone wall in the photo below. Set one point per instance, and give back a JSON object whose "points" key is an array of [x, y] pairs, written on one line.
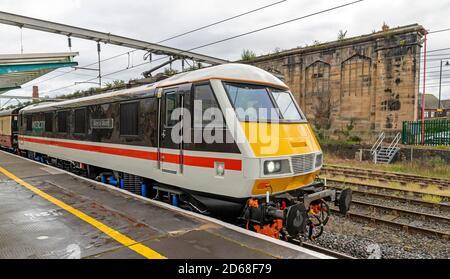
{"points": [[368, 82]]}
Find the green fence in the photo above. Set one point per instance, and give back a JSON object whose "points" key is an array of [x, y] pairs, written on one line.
{"points": [[437, 132]]}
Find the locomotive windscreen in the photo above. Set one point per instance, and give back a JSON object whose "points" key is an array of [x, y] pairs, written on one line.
{"points": [[261, 103]]}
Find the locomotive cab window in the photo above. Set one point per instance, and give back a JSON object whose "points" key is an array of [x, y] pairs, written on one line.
{"points": [[206, 108], [261, 103], [80, 121], [286, 105], [29, 122], [48, 122], [63, 117], [129, 119]]}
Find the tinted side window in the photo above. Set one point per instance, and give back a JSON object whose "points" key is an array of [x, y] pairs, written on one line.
{"points": [[62, 121], [205, 101], [29, 122], [49, 121], [80, 121], [129, 118], [171, 105]]}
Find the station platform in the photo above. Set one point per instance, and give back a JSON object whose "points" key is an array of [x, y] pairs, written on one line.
{"points": [[46, 212]]}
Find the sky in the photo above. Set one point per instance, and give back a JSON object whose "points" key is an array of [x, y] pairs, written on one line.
{"points": [[156, 20]]}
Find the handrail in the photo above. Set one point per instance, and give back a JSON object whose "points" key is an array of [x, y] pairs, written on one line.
{"points": [[377, 143], [394, 144]]}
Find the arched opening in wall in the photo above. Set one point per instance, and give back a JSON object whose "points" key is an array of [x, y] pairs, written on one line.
{"points": [[355, 101], [317, 94]]}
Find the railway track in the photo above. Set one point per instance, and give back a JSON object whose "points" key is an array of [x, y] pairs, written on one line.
{"points": [[366, 207], [386, 204], [404, 196], [395, 221], [387, 177], [392, 192]]}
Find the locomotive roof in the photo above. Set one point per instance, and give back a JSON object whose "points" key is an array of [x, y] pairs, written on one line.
{"points": [[9, 112], [232, 72]]}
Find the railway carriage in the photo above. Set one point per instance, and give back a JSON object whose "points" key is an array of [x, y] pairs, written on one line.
{"points": [[161, 140], [9, 129]]}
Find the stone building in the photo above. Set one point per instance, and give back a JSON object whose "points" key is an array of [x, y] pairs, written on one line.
{"points": [[366, 83]]}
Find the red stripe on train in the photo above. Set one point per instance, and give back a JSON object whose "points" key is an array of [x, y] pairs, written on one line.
{"points": [[196, 161]]}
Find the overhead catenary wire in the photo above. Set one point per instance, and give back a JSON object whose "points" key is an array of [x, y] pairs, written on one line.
{"points": [[237, 36], [429, 85], [221, 21], [438, 31], [173, 37], [261, 29], [138, 65], [223, 39], [275, 25]]}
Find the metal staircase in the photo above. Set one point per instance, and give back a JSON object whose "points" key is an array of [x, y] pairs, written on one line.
{"points": [[385, 154]]}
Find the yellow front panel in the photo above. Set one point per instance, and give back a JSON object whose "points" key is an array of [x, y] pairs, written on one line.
{"points": [[261, 186], [277, 140], [280, 139]]}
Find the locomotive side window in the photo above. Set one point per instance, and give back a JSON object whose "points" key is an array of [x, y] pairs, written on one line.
{"points": [[171, 105], [48, 122], [205, 101], [29, 122], [129, 119], [62, 121], [80, 121]]}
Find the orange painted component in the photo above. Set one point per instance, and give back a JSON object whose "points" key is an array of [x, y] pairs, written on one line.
{"points": [[263, 186], [272, 230], [315, 209], [253, 203]]}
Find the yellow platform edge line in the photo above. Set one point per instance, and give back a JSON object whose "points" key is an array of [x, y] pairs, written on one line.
{"points": [[117, 236]]}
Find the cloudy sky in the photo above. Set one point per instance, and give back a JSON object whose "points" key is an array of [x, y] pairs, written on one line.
{"points": [[156, 20]]}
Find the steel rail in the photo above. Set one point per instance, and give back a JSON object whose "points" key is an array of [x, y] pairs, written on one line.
{"points": [[406, 227]]}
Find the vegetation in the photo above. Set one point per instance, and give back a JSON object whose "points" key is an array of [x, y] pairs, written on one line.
{"points": [[435, 167], [341, 35], [248, 55], [116, 84], [170, 72], [191, 68], [277, 50]]}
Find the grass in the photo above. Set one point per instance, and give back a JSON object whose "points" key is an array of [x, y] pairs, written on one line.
{"points": [[430, 193], [431, 168]]}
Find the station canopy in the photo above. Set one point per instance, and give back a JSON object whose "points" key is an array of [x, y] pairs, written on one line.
{"points": [[18, 69]]}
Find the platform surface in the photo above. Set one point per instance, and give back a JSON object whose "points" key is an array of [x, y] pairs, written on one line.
{"points": [[35, 222]]}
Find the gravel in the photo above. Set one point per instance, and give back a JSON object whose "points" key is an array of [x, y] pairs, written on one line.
{"points": [[364, 240]]}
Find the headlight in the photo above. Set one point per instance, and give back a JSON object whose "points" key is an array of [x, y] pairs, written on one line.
{"points": [[319, 159], [276, 166], [272, 166]]}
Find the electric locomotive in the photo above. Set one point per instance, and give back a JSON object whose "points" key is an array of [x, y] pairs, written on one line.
{"points": [[227, 140]]}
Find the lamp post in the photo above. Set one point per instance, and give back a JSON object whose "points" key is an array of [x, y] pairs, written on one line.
{"points": [[440, 84]]}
